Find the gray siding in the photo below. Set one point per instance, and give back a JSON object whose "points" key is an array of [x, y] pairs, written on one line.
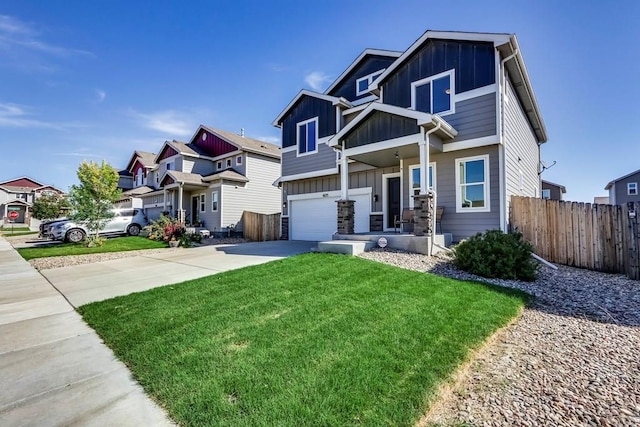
{"points": [[203, 167], [474, 118], [522, 154], [380, 126], [554, 190], [306, 108], [620, 190], [325, 158]]}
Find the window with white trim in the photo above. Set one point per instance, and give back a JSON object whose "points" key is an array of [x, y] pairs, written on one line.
{"points": [[139, 177], [202, 203], [238, 160], [472, 184], [307, 136], [214, 201], [363, 83], [228, 163], [414, 181], [546, 193], [219, 165], [434, 95], [632, 188], [170, 166]]}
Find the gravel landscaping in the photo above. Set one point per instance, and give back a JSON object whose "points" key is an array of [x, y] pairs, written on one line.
{"points": [[571, 359]]}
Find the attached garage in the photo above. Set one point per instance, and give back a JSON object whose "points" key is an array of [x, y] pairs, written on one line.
{"points": [[313, 216]]}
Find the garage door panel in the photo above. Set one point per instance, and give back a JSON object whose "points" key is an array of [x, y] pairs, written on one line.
{"points": [[316, 218]]}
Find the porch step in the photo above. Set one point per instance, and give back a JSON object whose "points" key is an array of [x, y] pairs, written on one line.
{"points": [[349, 247]]}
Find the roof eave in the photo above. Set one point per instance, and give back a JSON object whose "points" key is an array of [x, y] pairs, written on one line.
{"points": [[377, 52]]}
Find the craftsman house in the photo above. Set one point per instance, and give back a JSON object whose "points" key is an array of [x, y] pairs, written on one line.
{"points": [[450, 122], [18, 195], [208, 182]]}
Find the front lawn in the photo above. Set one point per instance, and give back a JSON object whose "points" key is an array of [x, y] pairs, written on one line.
{"points": [[118, 244], [17, 233], [316, 339]]}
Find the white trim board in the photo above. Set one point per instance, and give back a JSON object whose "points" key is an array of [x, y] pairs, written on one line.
{"points": [[333, 193], [323, 140], [359, 58], [470, 143]]}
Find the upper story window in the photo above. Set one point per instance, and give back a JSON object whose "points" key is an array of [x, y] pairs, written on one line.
{"points": [[472, 184], [139, 177], [414, 178], [219, 165], [307, 136], [434, 94], [228, 163], [363, 83], [546, 193], [239, 160], [632, 188], [170, 166]]}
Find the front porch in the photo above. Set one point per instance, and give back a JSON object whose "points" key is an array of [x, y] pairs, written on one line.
{"points": [[353, 244]]}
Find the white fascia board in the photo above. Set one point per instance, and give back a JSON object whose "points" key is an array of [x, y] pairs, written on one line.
{"points": [[496, 38], [386, 108], [470, 143], [334, 100], [383, 145], [333, 193], [354, 64], [313, 174], [445, 127]]}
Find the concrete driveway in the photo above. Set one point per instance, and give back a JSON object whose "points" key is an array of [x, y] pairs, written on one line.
{"points": [[82, 284]]}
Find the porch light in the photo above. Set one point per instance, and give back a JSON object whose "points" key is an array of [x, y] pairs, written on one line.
{"points": [[396, 154]]}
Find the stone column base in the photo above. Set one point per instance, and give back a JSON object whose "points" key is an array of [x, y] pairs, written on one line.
{"points": [[346, 216]]}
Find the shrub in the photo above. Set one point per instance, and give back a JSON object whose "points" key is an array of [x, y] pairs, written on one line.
{"points": [[188, 239], [164, 229], [495, 254]]}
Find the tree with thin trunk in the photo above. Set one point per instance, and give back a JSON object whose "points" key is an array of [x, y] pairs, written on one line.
{"points": [[49, 206], [93, 199]]}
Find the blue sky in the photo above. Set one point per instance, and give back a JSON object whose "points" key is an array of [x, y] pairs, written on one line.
{"points": [[99, 79]]}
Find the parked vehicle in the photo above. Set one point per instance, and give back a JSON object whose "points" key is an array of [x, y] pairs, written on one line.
{"points": [[46, 226], [124, 221]]}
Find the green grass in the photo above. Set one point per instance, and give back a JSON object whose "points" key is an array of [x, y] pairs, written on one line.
{"points": [[8, 233], [118, 244], [8, 229], [315, 339]]}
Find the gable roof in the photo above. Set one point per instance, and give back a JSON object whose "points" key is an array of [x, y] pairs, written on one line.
{"points": [[422, 119], [358, 60], [508, 45], [304, 92], [184, 177], [25, 178], [138, 190], [146, 158], [244, 143], [610, 184]]}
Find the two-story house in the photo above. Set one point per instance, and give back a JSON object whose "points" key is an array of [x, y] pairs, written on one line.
{"points": [[19, 194], [452, 119], [624, 189], [211, 180]]}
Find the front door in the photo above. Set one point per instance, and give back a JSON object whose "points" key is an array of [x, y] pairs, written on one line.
{"points": [[195, 201], [393, 200]]}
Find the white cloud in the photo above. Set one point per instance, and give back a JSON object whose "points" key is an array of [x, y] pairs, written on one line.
{"points": [[16, 116], [171, 122], [15, 34], [317, 79], [100, 95]]}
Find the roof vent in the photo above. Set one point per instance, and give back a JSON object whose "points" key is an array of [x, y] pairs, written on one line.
{"points": [[242, 132]]}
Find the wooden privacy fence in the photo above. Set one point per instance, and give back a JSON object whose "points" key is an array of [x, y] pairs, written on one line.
{"points": [[593, 236], [261, 227]]}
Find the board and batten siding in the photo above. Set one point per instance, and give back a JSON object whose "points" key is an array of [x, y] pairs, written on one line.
{"points": [[371, 64], [522, 154], [306, 108], [258, 195], [292, 164], [474, 118]]}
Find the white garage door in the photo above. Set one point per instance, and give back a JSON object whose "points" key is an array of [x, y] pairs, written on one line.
{"points": [[315, 218]]}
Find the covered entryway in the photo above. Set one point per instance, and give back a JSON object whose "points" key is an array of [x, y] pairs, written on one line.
{"points": [[313, 216]]}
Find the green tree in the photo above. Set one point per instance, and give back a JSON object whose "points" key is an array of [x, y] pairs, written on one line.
{"points": [[93, 199], [49, 206]]}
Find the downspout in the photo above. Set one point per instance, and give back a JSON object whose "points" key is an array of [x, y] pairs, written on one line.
{"points": [[424, 175], [501, 145]]}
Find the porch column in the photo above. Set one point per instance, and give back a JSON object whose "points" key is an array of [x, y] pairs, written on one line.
{"points": [[346, 216], [344, 176], [164, 197], [424, 161], [180, 211], [424, 210]]}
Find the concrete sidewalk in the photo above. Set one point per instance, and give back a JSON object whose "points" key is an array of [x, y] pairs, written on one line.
{"points": [[82, 284], [54, 369]]}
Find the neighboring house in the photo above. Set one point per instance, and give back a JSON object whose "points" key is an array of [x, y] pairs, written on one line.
{"points": [[19, 194], [601, 200], [454, 113], [211, 180], [552, 191], [624, 189]]}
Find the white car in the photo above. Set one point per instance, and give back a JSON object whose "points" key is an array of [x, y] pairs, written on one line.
{"points": [[124, 221]]}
